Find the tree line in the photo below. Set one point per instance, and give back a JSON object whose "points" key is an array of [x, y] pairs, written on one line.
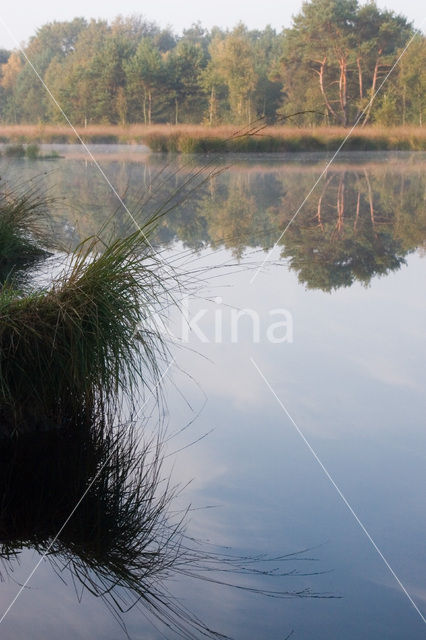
{"points": [[328, 64]]}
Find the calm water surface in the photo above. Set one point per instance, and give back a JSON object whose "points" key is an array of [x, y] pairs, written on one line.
{"points": [[350, 272]]}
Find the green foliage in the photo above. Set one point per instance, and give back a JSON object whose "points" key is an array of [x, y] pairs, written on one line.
{"points": [[410, 86], [234, 62], [387, 112], [145, 72], [341, 50], [331, 62]]}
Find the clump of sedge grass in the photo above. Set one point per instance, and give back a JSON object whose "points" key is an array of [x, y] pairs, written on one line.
{"points": [[84, 340], [15, 151], [32, 151], [23, 228]]}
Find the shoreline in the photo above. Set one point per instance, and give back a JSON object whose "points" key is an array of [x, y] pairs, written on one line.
{"points": [[228, 139]]}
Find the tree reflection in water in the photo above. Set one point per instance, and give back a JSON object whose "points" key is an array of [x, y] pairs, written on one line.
{"points": [[365, 217], [125, 540]]}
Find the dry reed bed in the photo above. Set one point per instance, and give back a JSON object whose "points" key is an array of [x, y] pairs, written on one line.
{"points": [[199, 138]]}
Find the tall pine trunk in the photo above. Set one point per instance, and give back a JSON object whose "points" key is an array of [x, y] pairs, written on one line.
{"points": [[212, 105], [144, 107], [343, 90], [320, 73], [373, 89]]}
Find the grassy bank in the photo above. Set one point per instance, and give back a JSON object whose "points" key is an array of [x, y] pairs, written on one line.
{"points": [[201, 139]]}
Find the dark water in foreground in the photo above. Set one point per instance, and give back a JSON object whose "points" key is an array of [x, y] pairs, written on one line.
{"points": [[348, 278]]}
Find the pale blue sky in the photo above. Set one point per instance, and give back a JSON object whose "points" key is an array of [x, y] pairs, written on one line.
{"points": [[24, 17]]}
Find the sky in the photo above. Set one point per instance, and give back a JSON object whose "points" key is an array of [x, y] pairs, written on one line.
{"points": [[23, 18]]}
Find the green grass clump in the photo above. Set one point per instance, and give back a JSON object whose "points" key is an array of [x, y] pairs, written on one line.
{"points": [[15, 151], [52, 155], [32, 151], [101, 139], [188, 144], [66, 349], [23, 227]]}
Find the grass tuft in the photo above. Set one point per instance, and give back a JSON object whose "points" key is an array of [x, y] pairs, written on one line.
{"points": [[23, 228], [84, 340]]}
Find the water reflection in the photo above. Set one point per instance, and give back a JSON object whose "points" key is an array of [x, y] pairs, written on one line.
{"points": [[359, 225], [84, 492], [361, 221], [120, 539], [123, 541]]}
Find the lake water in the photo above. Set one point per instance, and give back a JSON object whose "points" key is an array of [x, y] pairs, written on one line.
{"points": [[305, 436]]}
